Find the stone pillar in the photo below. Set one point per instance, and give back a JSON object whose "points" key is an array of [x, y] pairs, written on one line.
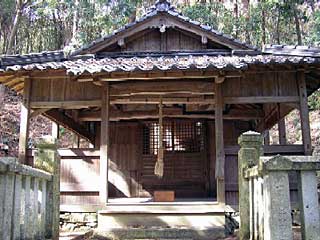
{"points": [[309, 205], [277, 213], [249, 154], [46, 157]]}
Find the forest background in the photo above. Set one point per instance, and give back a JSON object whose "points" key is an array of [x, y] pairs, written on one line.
{"points": [[28, 26]]}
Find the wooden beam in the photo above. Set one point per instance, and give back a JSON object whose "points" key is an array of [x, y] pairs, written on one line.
{"points": [[161, 87], [117, 115], [104, 143], [18, 86], [264, 99], [304, 113], [24, 122], [166, 100], [69, 123], [38, 112], [120, 100], [150, 76], [10, 82], [65, 104], [202, 99], [220, 155]]}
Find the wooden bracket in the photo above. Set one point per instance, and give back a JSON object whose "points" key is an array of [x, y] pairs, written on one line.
{"points": [[219, 79], [121, 42], [204, 39]]}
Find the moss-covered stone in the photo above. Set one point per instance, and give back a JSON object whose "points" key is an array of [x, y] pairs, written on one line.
{"points": [[44, 155]]}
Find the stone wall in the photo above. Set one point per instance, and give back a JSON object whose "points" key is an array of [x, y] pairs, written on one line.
{"points": [[78, 221]]}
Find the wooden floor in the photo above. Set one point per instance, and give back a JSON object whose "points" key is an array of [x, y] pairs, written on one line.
{"points": [[150, 201]]}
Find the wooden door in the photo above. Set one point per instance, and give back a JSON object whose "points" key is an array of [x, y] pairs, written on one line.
{"points": [[185, 159]]}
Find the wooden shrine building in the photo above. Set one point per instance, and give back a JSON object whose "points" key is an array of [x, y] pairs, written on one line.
{"points": [[209, 86]]}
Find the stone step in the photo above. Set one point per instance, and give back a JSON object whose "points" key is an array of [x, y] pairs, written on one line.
{"points": [[165, 220], [162, 221], [163, 208], [160, 234]]}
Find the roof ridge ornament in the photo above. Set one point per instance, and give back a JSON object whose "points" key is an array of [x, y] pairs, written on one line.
{"points": [[163, 6]]}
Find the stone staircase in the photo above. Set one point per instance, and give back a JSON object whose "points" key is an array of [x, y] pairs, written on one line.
{"points": [[187, 220]]}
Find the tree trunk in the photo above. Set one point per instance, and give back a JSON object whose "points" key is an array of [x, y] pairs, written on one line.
{"points": [[278, 25], [75, 19], [297, 23], [236, 13], [263, 24], [19, 7], [246, 5]]}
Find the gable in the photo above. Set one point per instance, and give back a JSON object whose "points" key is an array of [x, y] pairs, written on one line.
{"points": [[173, 39], [162, 18]]}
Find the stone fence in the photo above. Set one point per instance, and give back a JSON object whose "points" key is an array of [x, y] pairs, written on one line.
{"points": [[29, 200], [264, 194]]}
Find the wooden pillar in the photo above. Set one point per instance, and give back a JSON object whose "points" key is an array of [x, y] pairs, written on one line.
{"points": [[220, 154], [304, 113], [282, 131], [24, 122], [104, 143]]}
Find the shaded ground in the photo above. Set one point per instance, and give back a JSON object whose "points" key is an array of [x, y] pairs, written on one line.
{"points": [[75, 235], [86, 236]]}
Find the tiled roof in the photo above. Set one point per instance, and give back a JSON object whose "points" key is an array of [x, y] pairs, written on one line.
{"points": [[52, 56], [163, 6], [291, 50], [120, 64]]}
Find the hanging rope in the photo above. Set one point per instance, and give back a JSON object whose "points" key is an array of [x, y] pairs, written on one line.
{"points": [[158, 169]]}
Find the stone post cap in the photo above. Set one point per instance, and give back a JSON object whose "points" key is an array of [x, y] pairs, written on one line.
{"points": [[47, 142], [250, 137]]}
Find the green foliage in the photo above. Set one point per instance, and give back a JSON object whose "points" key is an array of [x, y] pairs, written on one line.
{"points": [[314, 101], [314, 37], [44, 160], [55, 24]]}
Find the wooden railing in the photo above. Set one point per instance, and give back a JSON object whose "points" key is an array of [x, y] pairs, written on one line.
{"points": [[265, 209], [26, 202]]}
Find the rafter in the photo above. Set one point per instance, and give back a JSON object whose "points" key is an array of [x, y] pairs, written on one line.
{"points": [[69, 123]]}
